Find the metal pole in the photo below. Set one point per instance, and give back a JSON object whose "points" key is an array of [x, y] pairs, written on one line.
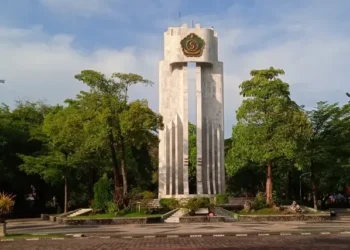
{"points": [[300, 183]]}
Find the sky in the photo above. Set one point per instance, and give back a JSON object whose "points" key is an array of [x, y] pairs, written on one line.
{"points": [[44, 43]]}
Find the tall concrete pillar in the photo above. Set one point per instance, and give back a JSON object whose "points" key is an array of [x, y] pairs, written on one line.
{"points": [[183, 45]]}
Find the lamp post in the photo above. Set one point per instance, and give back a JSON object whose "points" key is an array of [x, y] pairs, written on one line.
{"points": [[300, 182]]}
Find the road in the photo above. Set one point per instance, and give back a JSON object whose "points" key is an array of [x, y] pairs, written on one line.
{"points": [[46, 227], [333, 242]]}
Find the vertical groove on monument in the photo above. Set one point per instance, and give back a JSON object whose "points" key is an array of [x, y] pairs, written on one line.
{"points": [[167, 161], [214, 165], [173, 158], [217, 173], [183, 171], [200, 133]]}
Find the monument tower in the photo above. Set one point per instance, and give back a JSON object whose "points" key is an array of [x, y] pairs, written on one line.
{"points": [[183, 45]]}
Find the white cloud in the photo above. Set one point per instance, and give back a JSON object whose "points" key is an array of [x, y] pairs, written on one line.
{"points": [[79, 7], [307, 45]]}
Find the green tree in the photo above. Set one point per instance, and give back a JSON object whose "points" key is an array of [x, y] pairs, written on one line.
{"points": [[111, 122], [268, 124], [21, 133], [327, 150]]}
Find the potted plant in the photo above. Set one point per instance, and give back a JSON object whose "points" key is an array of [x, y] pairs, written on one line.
{"points": [[6, 205]]}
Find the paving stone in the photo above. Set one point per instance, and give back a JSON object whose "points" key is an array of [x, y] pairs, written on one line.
{"points": [[204, 243]]}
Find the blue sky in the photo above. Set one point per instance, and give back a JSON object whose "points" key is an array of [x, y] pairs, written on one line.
{"points": [[43, 43]]}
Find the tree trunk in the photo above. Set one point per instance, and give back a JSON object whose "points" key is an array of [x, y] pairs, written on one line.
{"points": [[314, 189], [66, 186], [290, 186], [123, 166], [65, 195], [117, 187], [269, 184]]}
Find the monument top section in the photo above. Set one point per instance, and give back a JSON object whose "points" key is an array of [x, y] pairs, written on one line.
{"points": [[184, 44]]}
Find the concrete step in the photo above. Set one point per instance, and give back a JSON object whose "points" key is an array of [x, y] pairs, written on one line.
{"points": [[175, 218], [80, 212]]}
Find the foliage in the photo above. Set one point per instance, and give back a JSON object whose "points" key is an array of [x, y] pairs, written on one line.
{"points": [[111, 207], [268, 124], [275, 198], [169, 203], [221, 199], [328, 145], [264, 211], [198, 202], [6, 203], [147, 195], [102, 193], [112, 124], [192, 157], [259, 201]]}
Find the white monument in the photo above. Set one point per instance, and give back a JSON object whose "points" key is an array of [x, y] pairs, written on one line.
{"points": [[183, 45]]}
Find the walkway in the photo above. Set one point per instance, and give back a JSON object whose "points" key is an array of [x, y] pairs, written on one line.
{"points": [[45, 227]]}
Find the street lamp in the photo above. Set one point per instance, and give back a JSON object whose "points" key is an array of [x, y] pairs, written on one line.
{"points": [[300, 182]]}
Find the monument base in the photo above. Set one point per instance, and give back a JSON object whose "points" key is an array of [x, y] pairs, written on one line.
{"points": [[187, 196]]}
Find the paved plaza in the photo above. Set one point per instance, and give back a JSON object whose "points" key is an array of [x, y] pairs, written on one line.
{"points": [[258, 243], [46, 227]]}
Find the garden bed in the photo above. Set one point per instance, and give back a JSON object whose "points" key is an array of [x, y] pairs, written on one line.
{"points": [[111, 219], [270, 214], [201, 219], [285, 217], [112, 216]]}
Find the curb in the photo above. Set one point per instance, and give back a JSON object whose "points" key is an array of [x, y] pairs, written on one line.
{"points": [[82, 237]]}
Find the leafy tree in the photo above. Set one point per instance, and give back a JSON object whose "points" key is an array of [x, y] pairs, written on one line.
{"points": [[63, 130], [21, 133], [327, 150], [268, 123], [111, 122]]}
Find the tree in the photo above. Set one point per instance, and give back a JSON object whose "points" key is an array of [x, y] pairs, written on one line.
{"points": [[21, 133], [327, 150], [111, 122], [268, 123]]}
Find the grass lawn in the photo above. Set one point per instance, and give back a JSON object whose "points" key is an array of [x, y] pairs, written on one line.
{"points": [[109, 216]]}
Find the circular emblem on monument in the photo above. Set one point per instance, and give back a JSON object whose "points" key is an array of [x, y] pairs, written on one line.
{"points": [[192, 45]]}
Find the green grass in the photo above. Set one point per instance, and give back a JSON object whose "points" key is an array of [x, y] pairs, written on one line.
{"points": [[138, 214], [110, 216], [271, 211], [264, 211]]}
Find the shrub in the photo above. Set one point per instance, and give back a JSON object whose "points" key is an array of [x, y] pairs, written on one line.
{"points": [[195, 203], [259, 201], [103, 193], [6, 203], [147, 195], [111, 207], [275, 198], [169, 203], [221, 199]]}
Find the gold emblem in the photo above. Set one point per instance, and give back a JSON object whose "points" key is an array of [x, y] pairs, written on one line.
{"points": [[192, 45]]}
